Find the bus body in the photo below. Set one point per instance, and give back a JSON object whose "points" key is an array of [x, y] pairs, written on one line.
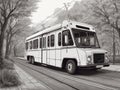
{"points": [[68, 45]]}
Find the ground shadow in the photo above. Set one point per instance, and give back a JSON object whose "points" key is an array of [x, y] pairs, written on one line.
{"points": [[80, 71]]}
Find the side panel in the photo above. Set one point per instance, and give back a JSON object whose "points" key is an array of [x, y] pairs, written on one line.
{"points": [[52, 56], [70, 52], [48, 51], [40, 52], [44, 51], [36, 53], [58, 51], [39, 56], [83, 57], [69, 49]]}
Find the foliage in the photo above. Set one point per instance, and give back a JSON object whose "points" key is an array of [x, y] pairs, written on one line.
{"points": [[8, 78], [103, 15], [10, 13], [117, 59], [12, 24], [8, 64], [108, 12]]}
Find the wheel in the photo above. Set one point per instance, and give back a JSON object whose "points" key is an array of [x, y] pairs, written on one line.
{"points": [[29, 59], [71, 67], [96, 69], [32, 60]]}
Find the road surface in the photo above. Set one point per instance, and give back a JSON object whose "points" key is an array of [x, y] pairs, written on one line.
{"points": [[57, 79]]}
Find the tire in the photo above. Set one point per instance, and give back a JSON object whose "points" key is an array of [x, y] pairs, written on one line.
{"points": [[32, 60], [96, 69], [29, 60], [71, 67]]}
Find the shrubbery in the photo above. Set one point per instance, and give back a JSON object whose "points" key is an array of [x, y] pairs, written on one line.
{"points": [[7, 64], [117, 59], [8, 76]]}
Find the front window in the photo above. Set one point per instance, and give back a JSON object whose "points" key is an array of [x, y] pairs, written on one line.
{"points": [[85, 39], [67, 38], [52, 40]]}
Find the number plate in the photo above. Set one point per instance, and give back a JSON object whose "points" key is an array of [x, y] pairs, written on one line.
{"points": [[99, 66]]}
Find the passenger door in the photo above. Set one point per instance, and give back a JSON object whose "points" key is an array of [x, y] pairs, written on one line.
{"points": [[58, 43], [44, 50], [52, 56], [67, 44]]}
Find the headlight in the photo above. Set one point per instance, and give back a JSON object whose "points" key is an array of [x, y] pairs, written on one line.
{"points": [[89, 59], [106, 58]]}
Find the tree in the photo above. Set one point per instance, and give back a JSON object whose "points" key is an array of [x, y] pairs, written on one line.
{"points": [[15, 27], [109, 13], [78, 12], [11, 9], [23, 30]]}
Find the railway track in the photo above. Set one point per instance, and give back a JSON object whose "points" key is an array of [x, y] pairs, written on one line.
{"points": [[74, 88], [67, 77]]}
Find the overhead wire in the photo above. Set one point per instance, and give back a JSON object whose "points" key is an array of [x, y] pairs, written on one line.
{"points": [[55, 14]]}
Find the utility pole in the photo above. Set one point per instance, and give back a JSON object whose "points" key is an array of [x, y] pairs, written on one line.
{"points": [[114, 51], [67, 11], [43, 26]]}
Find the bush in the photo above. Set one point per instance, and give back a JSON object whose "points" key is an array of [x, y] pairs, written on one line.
{"points": [[8, 78], [1, 63], [4, 63], [117, 59], [8, 64]]}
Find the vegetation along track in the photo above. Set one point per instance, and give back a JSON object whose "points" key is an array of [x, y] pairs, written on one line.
{"points": [[74, 88], [88, 82]]}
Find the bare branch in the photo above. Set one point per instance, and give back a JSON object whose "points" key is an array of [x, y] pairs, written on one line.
{"points": [[12, 10]]}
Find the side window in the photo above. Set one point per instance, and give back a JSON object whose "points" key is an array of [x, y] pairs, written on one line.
{"points": [[26, 45], [40, 43], [59, 39], [44, 42], [35, 44], [48, 43], [31, 45], [66, 38], [52, 40]]}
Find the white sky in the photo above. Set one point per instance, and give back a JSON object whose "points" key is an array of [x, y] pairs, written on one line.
{"points": [[46, 8]]}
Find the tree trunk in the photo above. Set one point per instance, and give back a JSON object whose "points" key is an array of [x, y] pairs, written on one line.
{"points": [[7, 51], [119, 36], [1, 44], [1, 49], [8, 39], [14, 49], [2, 36]]}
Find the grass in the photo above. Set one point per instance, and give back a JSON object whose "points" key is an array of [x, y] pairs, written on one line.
{"points": [[117, 59], [8, 76]]}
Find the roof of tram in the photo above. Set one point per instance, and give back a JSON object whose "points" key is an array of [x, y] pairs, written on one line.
{"points": [[64, 25]]}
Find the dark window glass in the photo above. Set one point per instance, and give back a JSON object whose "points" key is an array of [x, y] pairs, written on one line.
{"points": [[59, 39], [26, 44], [31, 45], [40, 42], [35, 44], [48, 43], [44, 42], [66, 38], [52, 40], [85, 39]]}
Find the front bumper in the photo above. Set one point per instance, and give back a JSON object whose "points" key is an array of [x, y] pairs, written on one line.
{"points": [[92, 66]]}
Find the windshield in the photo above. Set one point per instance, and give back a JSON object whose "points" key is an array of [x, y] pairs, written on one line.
{"points": [[85, 39]]}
